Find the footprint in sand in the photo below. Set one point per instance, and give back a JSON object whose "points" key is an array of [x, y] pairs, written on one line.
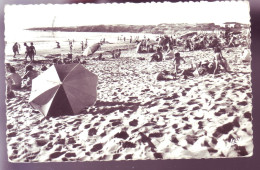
{"points": [[87, 126], [97, 147], [248, 115], [129, 145], [70, 154], [155, 135], [158, 155], [181, 109], [116, 156], [116, 123], [56, 155], [122, 135], [92, 132], [41, 142], [133, 122], [129, 156], [220, 112], [187, 126]]}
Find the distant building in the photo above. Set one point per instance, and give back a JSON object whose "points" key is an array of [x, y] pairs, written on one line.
{"points": [[233, 25]]}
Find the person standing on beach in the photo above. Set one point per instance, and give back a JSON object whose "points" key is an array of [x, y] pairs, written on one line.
{"points": [[26, 51], [15, 49], [32, 52], [82, 46], [177, 61], [70, 43], [219, 60], [188, 44]]}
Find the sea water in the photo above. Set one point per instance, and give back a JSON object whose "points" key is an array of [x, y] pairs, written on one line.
{"points": [[46, 40]]}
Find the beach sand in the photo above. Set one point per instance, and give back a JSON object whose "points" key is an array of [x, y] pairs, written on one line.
{"points": [[137, 117]]}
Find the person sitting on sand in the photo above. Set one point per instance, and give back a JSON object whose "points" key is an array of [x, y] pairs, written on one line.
{"points": [[7, 66], [188, 72], [219, 60], [158, 56], [30, 74], [177, 61], [15, 49], [44, 68], [66, 61], [55, 61], [117, 53], [203, 68], [165, 75], [14, 80]]}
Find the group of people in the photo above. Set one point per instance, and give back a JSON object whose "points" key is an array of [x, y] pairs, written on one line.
{"points": [[215, 66], [15, 82], [224, 39], [145, 46], [30, 51]]}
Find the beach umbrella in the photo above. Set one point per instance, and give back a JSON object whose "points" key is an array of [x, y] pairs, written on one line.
{"points": [[91, 49], [184, 36], [63, 90]]}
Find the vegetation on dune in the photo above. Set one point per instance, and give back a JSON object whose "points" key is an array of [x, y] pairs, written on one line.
{"points": [[155, 29]]}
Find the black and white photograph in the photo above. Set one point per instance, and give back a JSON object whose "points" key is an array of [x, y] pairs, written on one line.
{"points": [[128, 81]]}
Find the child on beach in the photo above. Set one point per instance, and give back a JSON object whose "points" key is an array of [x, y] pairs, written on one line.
{"points": [[219, 60], [30, 74], [177, 61]]}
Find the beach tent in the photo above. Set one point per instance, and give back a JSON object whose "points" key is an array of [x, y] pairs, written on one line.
{"points": [[91, 49], [63, 90]]}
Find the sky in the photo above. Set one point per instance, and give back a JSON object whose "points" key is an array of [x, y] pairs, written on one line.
{"points": [[28, 16]]}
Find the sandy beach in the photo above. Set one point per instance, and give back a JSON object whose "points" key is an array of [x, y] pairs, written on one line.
{"points": [[137, 117]]}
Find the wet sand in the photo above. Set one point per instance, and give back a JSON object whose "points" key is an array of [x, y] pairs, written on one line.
{"points": [[137, 117]]}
